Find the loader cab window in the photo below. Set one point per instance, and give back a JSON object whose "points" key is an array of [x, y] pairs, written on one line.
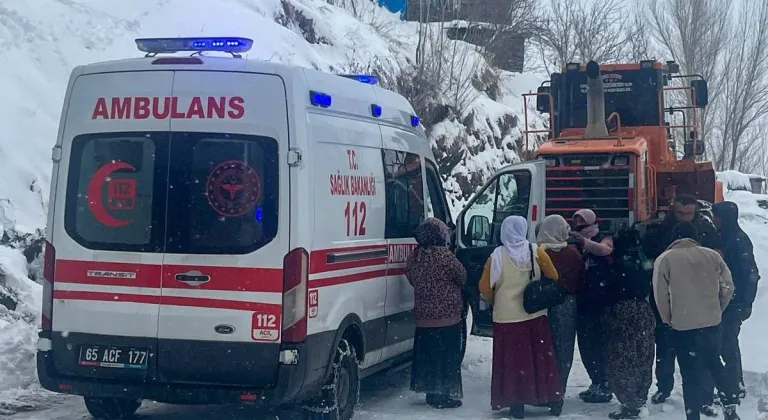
{"points": [[631, 93]]}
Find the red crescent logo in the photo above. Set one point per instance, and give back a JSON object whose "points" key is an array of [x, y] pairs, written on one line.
{"points": [[95, 199]]}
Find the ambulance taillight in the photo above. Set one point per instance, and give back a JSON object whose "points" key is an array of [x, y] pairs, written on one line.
{"points": [[49, 267], [295, 283]]}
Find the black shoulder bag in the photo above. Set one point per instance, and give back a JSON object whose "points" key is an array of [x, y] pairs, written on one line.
{"points": [[541, 294]]}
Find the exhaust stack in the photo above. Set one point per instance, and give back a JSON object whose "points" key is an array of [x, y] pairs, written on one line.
{"points": [[596, 127]]}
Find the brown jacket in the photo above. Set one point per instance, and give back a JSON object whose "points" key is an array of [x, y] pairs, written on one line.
{"points": [[692, 286]]}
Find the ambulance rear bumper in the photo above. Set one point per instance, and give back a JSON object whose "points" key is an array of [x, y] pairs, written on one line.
{"points": [[290, 387]]}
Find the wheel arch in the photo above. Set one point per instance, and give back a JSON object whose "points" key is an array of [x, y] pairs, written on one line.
{"points": [[351, 329]]}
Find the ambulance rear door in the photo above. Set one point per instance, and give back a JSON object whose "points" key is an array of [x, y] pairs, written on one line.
{"points": [[227, 230]]}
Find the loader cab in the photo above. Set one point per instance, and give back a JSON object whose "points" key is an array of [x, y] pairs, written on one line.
{"points": [[630, 90]]}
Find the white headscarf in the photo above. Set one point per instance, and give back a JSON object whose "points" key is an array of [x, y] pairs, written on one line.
{"points": [[554, 233], [515, 246]]}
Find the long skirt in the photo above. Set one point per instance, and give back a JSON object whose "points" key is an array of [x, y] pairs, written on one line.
{"points": [[524, 366], [436, 367], [562, 321], [629, 345]]}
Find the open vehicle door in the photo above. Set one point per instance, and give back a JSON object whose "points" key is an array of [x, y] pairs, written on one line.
{"points": [[515, 190]]}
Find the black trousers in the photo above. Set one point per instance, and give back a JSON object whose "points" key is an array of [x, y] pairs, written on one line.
{"points": [[665, 362], [698, 353], [730, 350], [590, 329]]}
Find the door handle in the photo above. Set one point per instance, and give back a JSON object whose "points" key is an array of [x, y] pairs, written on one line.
{"points": [[193, 278]]}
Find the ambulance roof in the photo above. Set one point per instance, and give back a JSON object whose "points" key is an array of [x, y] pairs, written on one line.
{"points": [[347, 94]]}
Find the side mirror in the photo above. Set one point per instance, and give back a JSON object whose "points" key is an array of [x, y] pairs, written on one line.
{"points": [[542, 101], [701, 93], [700, 148], [479, 228]]}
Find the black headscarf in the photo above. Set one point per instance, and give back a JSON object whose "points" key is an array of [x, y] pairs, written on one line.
{"points": [[431, 233]]}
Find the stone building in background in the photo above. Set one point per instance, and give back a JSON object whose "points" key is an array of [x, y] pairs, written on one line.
{"points": [[486, 23]]}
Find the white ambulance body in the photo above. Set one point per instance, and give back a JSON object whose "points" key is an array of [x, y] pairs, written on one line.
{"points": [[226, 230]]}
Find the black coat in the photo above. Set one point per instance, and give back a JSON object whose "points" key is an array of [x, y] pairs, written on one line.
{"points": [[738, 255], [656, 238]]}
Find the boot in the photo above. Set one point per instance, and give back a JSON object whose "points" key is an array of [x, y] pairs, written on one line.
{"points": [[517, 411], [588, 393], [729, 412], [659, 397], [709, 410], [556, 408], [601, 395], [432, 399], [444, 401], [625, 412]]}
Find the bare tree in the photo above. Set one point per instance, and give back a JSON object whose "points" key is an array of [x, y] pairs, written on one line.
{"points": [[637, 35], [694, 33], [744, 87], [582, 30]]}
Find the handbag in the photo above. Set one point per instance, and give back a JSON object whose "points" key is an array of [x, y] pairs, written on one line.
{"points": [[543, 293]]}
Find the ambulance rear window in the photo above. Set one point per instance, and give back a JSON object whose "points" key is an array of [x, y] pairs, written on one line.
{"points": [[187, 193], [223, 193], [111, 193]]}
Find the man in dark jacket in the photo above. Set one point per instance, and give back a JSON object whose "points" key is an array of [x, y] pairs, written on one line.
{"points": [[738, 255], [655, 240]]}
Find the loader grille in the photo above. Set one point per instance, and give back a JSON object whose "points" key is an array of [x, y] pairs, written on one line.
{"points": [[605, 189]]}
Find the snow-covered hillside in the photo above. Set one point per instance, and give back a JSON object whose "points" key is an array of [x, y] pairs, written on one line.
{"points": [[43, 40]]}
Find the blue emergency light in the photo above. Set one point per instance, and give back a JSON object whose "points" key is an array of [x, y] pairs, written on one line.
{"points": [[231, 45], [414, 121], [362, 78]]}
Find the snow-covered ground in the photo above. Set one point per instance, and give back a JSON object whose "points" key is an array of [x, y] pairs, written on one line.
{"points": [[386, 397]]}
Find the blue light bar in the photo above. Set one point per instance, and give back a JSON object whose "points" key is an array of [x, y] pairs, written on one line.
{"points": [[414, 121], [363, 78], [232, 45], [375, 110], [320, 99]]}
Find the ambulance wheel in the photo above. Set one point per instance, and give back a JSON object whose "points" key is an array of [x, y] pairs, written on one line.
{"points": [[112, 408], [341, 392]]}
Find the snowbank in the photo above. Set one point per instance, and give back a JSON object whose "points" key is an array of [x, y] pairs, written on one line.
{"points": [[734, 180], [754, 221], [18, 327]]}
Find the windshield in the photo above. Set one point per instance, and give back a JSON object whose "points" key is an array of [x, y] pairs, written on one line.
{"points": [[633, 94]]}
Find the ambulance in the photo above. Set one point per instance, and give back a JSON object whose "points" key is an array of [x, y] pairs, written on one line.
{"points": [[224, 230]]}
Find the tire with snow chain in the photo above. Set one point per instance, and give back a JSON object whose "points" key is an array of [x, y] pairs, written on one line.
{"points": [[112, 408], [341, 393]]}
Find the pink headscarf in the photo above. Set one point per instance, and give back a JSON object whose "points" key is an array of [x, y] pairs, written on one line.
{"points": [[590, 217]]}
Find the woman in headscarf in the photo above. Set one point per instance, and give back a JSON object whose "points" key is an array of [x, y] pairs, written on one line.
{"points": [[629, 326], [437, 278], [596, 250], [553, 238], [524, 366]]}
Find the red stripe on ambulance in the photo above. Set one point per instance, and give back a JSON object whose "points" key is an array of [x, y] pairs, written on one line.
{"points": [[161, 108], [245, 279], [167, 300]]}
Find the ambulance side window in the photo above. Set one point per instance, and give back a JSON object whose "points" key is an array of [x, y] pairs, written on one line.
{"points": [[404, 193], [435, 199]]}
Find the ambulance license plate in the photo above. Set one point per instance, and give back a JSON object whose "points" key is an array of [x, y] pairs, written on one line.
{"points": [[113, 357]]}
